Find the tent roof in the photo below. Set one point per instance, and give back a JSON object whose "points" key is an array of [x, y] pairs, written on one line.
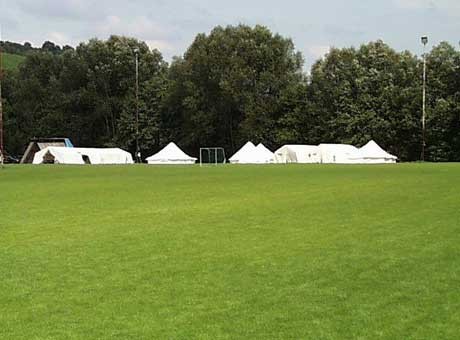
{"points": [[265, 152], [171, 152], [341, 147], [373, 150], [299, 148]]}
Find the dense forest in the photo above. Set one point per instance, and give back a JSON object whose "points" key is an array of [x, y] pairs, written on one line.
{"points": [[236, 83]]}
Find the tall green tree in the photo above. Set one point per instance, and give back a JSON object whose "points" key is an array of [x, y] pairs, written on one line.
{"points": [[369, 93], [33, 101], [109, 89], [443, 103], [88, 94], [229, 86], [234, 84]]}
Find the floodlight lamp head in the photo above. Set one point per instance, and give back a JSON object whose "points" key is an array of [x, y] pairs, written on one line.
{"points": [[424, 40], [136, 50]]}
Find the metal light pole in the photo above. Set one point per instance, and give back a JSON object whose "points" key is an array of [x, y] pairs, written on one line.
{"points": [[138, 151], [424, 42], [2, 152]]}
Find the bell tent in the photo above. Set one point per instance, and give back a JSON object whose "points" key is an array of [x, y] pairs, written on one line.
{"points": [[265, 156], [372, 153], [171, 154], [245, 155]]}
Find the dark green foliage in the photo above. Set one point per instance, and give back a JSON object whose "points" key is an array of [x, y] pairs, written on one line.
{"points": [[235, 84], [87, 95], [15, 48], [26, 48], [370, 93], [443, 116], [230, 86]]}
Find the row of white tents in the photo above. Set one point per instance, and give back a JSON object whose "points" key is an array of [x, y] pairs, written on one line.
{"points": [[371, 153], [171, 154]]}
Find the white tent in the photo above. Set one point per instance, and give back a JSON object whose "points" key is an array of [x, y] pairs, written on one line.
{"points": [[57, 155], [171, 154], [264, 154], [245, 155], [338, 153], [372, 153], [298, 154], [250, 154], [64, 155], [105, 156]]}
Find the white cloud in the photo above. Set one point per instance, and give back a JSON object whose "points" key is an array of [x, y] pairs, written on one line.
{"points": [[59, 38], [428, 4], [172, 25], [161, 45], [63, 9], [140, 27], [413, 4]]}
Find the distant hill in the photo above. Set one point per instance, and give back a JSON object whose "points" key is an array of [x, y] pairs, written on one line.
{"points": [[15, 53], [26, 48], [12, 61]]}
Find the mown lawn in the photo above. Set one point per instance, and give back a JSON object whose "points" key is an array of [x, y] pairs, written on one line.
{"points": [[231, 252]]}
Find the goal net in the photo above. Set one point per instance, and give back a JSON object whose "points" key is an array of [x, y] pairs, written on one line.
{"points": [[212, 156]]}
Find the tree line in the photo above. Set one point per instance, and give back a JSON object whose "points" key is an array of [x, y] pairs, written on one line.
{"points": [[236, 83], [27, 48]]}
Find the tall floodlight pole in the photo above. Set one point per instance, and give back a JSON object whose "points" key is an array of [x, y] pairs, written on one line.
{"points": [[2, 152], [138, 151], [424, 42]]}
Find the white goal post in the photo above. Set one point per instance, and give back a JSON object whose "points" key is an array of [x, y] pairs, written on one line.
{"points": [[212, 155]]}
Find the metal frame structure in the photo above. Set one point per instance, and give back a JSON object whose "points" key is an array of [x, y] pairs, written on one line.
{"points": [[37, 144], [208, 150], [138, 150], [2, 151], [424, 40]]}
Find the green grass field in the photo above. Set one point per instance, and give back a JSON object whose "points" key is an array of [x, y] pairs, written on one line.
{"points": [[231, 252], [12, 61]]}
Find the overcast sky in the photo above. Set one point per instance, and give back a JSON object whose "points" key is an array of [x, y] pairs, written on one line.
{"points": [[171, 25]]}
